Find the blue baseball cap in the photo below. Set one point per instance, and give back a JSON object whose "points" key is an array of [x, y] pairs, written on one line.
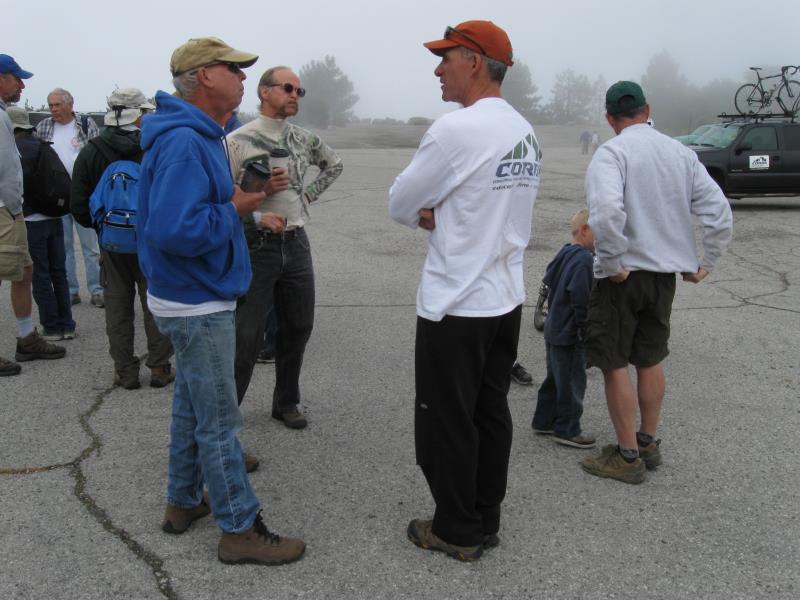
{"points": [[9, 65]]}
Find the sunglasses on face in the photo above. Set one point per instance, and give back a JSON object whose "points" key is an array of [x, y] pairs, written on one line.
{"points": [[452, 30], [289, 88], [232, 67]]}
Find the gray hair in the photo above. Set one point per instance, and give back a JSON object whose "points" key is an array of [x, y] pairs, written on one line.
{"points": [[66, 97], [631, 113], [186, 84], [497, 69], [268, 79]]}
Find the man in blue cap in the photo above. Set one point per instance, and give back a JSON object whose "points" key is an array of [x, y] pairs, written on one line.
{"points": [[16, 265]]}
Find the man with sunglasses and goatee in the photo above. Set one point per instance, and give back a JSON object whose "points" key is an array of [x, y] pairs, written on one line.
{"points": [[472, 184], [280, 253]]}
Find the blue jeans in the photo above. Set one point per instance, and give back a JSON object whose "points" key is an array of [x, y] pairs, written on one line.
{"points": [[205, 420], [283, 275], [91, 256], [560, 403], [50, 289]]}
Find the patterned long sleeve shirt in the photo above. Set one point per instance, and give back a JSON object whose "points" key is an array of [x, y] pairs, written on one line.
{"points": [[44, 129]]}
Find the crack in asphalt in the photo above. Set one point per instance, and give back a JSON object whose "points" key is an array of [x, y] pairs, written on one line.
{"points": [[156, 564]]}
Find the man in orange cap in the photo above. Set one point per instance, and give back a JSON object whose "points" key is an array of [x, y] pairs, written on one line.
{"points": [[472, 184]]}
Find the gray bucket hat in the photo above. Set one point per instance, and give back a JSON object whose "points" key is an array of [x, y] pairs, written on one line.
{"points": [[125, 107], [19, 117]]}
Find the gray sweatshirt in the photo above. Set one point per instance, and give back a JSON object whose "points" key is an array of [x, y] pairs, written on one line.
{"points": [[10, 167], [642, 189]]}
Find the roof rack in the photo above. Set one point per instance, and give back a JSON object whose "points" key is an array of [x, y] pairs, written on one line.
{"points": [[791, 117]]}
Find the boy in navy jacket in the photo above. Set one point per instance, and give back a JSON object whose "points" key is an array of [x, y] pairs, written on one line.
{"points": [[560, 398]]}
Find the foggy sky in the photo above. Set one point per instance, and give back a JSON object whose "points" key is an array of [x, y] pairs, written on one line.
{"points": [[92, 46]]}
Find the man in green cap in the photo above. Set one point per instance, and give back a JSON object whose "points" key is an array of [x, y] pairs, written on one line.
{"points": [[642, 188]]}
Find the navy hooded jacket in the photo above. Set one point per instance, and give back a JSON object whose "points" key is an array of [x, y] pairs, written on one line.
{"points": [[191, 242], [569, 277]]}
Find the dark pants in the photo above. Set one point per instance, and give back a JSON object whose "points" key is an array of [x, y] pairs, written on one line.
{"points": [[268, 347], [283, 275], [462, 425], [50, 288], [560, 399], [121, 277]]}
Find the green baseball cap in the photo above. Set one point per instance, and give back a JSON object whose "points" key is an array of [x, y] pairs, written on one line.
{"points": [[624, 96]]}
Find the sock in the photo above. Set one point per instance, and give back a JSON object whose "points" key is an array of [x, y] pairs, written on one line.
{"points": [[629, 454], [643, 439], [25, 326]]}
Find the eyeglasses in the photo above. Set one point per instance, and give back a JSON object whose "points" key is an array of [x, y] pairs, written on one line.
{"points": [[289, 88], [451, 30]]}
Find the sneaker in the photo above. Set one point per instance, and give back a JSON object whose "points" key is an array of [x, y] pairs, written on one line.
{"points": [[576, 441], [491, 540], [69, 334], [98, 301], [420, 532], [177, 520], [291, 417], [259, 546], [161, 376], [609, 463], [542, 430], [265, 357], [520, 375], [32, 346], [651, 454], [128, 382], [8, 367], [75, 299], [250, 462], [50, 336]]}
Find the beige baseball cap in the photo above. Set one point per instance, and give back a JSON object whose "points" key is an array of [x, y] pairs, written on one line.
{"points": [[203, 51], [19, 117]]}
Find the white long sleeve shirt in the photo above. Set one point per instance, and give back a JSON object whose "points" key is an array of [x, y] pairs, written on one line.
{"points": [[642, 189], [478, 168]]}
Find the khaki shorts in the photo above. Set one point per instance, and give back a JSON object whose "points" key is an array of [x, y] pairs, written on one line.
{"points": [[629, 321], [14, 256]]}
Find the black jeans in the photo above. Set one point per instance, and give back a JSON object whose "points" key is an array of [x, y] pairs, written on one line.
{"points": [[121, 277], [283, 275], [462, 424]]}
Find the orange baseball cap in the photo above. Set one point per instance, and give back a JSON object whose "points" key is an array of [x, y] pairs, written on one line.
{"points": [[483, 37]]}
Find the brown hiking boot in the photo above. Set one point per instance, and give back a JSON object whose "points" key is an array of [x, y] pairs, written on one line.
{"points": [[610, 463], [32, 346], [161, 376], [8, 367], [651, 454], [177, 520], [420, 532], [250, 462], [259, 546]]}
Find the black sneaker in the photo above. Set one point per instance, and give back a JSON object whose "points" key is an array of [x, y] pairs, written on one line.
{"points": [[265, 357], [520, 375]]}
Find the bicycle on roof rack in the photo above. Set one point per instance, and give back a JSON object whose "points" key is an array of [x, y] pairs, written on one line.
{"points": [[752, 98]]}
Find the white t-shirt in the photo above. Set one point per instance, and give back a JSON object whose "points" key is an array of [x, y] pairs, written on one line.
{"points": [[66, 144], [478, 168], [169, 308]]}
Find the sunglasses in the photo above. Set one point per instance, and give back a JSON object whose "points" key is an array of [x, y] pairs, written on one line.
{"points": [[289, 88], [452, 30], [232, 67]]}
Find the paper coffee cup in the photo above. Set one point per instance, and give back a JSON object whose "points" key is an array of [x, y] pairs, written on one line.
{"points": [[279, 158]]}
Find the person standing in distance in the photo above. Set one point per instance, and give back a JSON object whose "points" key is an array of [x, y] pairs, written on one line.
{"points": [[472, 184]]}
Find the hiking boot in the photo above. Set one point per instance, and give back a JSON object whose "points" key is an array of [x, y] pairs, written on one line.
{"points": [[128, 382], [420, 532], [8, 367], [520, 375], [651, 454], [250, 462], [32, 346], [291, 417], [259, 546], [177, 520], [98, 301], [161, 376], [265, 357], [576, 441], [75, 299], [610, 463]]}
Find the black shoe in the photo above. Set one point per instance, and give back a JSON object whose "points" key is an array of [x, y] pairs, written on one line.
{"points": [[265, 357], [491, 540], [291, 417], [520, 375], [8, 367]]}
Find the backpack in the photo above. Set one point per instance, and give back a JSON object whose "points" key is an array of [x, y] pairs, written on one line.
{"points": [[113, 204], [52, 184]]}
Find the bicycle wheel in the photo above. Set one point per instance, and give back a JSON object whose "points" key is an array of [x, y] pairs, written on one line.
{"points": [[788, 95], [749, 99]]}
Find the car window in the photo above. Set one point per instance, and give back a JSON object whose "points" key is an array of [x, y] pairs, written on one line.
{"points": [[719, 136], [761, 138], [791, 137]]}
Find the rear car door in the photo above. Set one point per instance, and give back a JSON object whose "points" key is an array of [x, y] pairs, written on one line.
{"points": [[791, 157], [756, 161]]}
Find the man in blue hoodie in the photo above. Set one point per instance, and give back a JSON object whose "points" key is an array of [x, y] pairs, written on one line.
{"points": [[193, 252]]}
